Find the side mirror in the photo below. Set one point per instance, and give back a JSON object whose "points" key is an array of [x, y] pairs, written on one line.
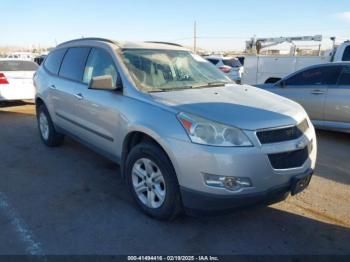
{"points": [[104, 82]]}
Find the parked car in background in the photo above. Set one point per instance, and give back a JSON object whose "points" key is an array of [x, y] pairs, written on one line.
{"points": [[39, 59], [231, 66], [264, 69], [323, 90], [241, 60], [16, 80], [28, 56], [184, 134]]}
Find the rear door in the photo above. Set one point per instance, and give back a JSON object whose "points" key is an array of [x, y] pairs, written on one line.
{"points": [[309, 88], [16, 80], [51, 80], [66, 87], [338, 99]]}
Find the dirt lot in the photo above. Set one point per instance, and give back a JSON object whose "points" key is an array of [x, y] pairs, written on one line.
{"points": [[70, 200]]}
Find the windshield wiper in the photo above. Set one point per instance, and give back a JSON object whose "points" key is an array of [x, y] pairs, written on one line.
{"points": [[170, 89], [211, 84]]}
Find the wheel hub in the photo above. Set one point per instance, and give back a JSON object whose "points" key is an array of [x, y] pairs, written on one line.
{"points": [[148, 183], [44, 126]]}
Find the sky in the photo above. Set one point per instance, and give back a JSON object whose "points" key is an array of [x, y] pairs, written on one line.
{"points": [[221, 25]]}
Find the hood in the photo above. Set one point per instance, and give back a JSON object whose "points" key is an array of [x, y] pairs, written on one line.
{"points": [[241, 106]]}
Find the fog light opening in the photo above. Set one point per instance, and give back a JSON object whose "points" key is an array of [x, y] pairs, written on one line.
{"points": [[228, 182]]}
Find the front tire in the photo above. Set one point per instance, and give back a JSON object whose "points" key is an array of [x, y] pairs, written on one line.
{"points": [[47, 131], [152, 181]]}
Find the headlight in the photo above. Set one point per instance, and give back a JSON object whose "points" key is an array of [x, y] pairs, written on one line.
{"points": [[206, 132]]}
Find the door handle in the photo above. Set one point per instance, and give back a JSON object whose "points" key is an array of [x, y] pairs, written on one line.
{"points": [[79, 96], [317, 92], [52, 87]]}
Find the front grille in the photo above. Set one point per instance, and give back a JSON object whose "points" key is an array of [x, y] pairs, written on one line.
{"points": [[282, 134], [290, 159]]}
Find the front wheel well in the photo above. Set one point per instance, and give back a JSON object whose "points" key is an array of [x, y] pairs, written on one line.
{"points": [[38, 103], [133, 139]]}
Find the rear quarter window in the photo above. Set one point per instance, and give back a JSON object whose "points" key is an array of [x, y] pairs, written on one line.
{"points": [[53, 60], [18, 66]]}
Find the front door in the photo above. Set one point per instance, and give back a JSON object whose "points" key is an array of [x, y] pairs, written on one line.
{"points": [[309, 88], [97, 112]]}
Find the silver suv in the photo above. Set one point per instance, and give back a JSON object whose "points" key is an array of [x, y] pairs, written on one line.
{"points": [[185, 136]]}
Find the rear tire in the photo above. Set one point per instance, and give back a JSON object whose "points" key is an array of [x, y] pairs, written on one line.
{"points": [[47, 131], [149, 174]]}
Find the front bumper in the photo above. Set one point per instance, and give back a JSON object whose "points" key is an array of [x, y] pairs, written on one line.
{"points": [[192, 162], [199, 201]]}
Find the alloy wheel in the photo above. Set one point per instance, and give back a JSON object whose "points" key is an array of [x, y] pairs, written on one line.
{"points": [[148, 183], [44, 126]]}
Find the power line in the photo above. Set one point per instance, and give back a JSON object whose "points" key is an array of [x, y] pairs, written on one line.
{"points": [[210, 37]]}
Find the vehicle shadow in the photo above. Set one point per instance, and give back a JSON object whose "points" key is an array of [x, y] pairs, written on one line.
{"points": [[333, 156], [102, 206], [76, 202], [11, 108], [15, 103], [263, 230], [102, 195]]}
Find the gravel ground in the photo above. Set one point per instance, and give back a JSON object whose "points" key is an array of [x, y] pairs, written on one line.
{"points": [[70, 200]]}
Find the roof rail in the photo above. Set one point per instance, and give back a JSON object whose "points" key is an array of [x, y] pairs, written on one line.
{"points": [[164, 43], [89, 39]]}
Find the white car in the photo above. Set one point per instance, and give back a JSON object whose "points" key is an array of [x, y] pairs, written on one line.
{"points": [[16, 80], [20, 56], [228, 65]]}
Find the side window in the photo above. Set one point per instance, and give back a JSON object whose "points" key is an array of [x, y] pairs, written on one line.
{"points": [[345, 76], [74, 62], [325, 75], [99, 63], [53, 60], [346, 55]]}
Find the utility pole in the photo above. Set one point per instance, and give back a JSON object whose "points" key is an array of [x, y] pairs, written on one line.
{"points": [[195, 37]]}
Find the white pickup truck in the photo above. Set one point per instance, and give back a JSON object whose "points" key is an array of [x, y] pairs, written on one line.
{"points": [[262, 69]]}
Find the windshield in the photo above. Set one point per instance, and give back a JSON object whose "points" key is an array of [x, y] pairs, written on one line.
{"points": [[165, 70]]}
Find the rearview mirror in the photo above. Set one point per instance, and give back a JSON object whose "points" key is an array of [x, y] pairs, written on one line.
{"points": [[104, 82]]}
